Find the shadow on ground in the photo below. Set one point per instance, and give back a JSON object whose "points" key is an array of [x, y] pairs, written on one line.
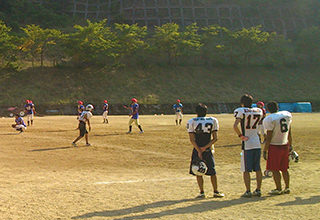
{"points": [[49, 149], [299, 201], [198, 207]]}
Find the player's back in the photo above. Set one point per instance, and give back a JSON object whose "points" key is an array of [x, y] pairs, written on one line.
{"points": [[250, 118], [203, 128], [85, 116], [279, 123]]}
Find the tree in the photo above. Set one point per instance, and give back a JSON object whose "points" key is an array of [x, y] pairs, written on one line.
{"points": [[38, 41], [166, 41], [249, 42], [7, 47], [190, 42], [131, 41], [308, 46], [216, 43], [92, 44]]}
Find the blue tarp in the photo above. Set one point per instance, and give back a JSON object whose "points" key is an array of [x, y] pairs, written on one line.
{"points": [[293, 107]]}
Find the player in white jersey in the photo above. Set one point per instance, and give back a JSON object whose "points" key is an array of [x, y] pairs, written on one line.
{"points": [[105, 109], [278, 142], [83, 120], [203, 134], [248, 118]]}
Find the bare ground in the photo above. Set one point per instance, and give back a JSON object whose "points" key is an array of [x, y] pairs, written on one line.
{"points": [[142, 176]]}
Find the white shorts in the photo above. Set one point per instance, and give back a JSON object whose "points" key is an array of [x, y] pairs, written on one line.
{"points": [[29, 117], [20, 126], [105, 114], [178, 115]]}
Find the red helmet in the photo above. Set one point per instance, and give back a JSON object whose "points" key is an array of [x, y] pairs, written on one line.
{"points": [[260, 103], [80, 102], [178, 100], [28, 101], [105, 101], [134, 100]]}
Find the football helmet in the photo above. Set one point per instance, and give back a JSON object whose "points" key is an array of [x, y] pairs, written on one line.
{"points": [[294, 156], [199, 168], [89, 107]]}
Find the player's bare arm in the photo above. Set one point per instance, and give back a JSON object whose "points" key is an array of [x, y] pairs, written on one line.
{"points": [[290, 138], [267, 144], [192, 138], [237, 130], [212, 141]]}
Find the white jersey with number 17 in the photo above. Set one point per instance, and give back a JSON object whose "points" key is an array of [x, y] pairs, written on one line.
{"points": [[279, 123], [250, 118]]}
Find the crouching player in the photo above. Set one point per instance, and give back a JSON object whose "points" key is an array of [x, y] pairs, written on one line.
{"points": [[19, 124], [200, 131], [83, 120]]}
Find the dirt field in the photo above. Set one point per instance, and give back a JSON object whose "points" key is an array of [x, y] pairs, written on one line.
{"points": [[142, 176]]}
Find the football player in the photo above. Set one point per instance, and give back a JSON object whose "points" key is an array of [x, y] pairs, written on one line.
{"points": [[80, 108], [248, 118], [84, 120], [19, 124], [278, 142], [203, 134], [134, 108], [29, 110], [105, 109], [262, 131], [178, 111]]}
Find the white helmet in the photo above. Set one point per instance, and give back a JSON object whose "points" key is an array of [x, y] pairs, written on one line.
{"points": [[199, 169], [89, 107]]}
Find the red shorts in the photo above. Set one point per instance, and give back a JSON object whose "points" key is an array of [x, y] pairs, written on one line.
{"points": [[278, 158]]}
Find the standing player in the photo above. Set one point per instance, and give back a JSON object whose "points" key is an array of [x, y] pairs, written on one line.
{"points": [[260, 105], [29, 109], [178, 110], [84, 119], [19, 124], [276, 149], [249, 119], [105, 109], [80, 108], [134, 108], [203, 134]]}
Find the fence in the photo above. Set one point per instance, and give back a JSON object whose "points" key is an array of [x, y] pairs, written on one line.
{"points": [[189, 108], [284, 19]]}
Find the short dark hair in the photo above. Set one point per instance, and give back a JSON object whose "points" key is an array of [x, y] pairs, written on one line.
{"points": [[246, 100], [201, 110], [273, 107]]}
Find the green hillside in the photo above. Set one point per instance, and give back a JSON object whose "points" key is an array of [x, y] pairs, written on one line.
{"points": [[159, 85]]}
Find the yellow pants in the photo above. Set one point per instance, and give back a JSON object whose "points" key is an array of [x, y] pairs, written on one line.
{"points": [[136, 121]]}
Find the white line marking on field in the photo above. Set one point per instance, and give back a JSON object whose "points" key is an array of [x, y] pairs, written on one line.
{"points": [[143, 180]]}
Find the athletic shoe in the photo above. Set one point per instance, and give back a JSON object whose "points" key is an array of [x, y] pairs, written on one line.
{"points": [[129, 132], [201, 196], [286, 191], [218, 195], [257, 193], [247, 194], [74, 144], [141, 132], [275, 192], [88, 145]]}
